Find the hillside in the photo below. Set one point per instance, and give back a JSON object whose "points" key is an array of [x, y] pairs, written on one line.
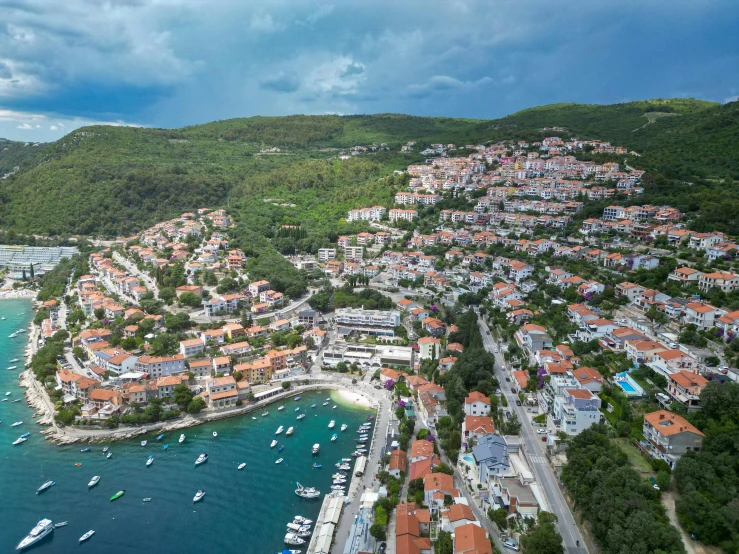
{"points": [[116, 180]]}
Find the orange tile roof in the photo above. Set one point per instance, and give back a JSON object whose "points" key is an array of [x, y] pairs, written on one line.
{"points": [[668, 424]]}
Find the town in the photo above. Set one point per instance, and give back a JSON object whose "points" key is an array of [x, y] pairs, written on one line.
{"points": [[575, 320]]}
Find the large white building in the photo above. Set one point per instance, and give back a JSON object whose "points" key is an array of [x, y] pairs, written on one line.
{"points": [[574, 410], [372, 322]]}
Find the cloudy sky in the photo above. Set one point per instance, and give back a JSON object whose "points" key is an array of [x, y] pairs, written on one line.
{"points": [[169, 63]]}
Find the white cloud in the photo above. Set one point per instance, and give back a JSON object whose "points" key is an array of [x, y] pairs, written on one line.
{"points": [[24, 126], [15, 125], [54, 128]]}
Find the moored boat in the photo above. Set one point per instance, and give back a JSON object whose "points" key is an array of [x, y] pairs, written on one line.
{"points": [[87, 535], [332, 424], [317, 466], [165, 446], [325, 403], [86, 449], [182, 438], [17, 423], [42, 528], [215, 434], [94, 481], [45, 486], [242, 465], [316, 448], [278, 461], [117, 495], [160, 436], [265, 414], [201, 459], [297, 408], [344, 426], [280, 408], [293, 539], [149, 461], [307, 492], [147, 499], [19, 440], [280, 429], [60, 524], [273, 443], [334, 437], [143, 443], [301, 416], [109, 455], [313, 405], [300, 520], [198, 496], [290, 431]]}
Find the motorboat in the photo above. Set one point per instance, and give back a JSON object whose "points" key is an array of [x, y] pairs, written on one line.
{"points": [[105, 449], [147, 499], [14, 360], [42, 528], [312, 405], [301, 532], [265, 414], [333, 407], [201, 459], [60, 524], [87, 535], [109, 455], [215, 434], [332, 424], [12, 367], [160, 436], [325, 403], [339, 480], [86, 449], [344, 426], [12, 335], [278, 461], [308, 492], [296, 527], [362, 440], [334, 437], [280, 429], [281, 448], [370, 417], [16, 400], [182, 438], [328, 399], [7, 393], [117, 495], [317, 466], [273, 443], [337, 488], [19, 440], [346, 460], [290, 552], [165, 446], [198, 496], [293, 539], [363, 436], [254, 418], [45, 486], [280, 408], [242, 465], [300, 520], [17, 423], [339, 475], [316, 448], [297, 408], [297, 398], [290, 431], [143, 443], [94, 481], [149, 461], [345, 467], [301, 416]]}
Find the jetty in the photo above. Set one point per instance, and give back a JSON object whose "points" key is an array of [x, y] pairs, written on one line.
{"points": [[326, 523]]}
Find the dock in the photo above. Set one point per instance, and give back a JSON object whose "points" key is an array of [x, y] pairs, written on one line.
{"points": [[325, 525]]}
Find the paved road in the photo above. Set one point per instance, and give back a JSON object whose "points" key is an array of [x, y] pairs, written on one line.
{"points": [[133, 270], [542, 471]]}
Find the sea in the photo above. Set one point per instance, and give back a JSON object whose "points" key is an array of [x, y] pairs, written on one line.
{"points": [[243, 511]]}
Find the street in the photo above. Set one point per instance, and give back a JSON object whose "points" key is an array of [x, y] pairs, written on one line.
{"points": [[542, 471]]}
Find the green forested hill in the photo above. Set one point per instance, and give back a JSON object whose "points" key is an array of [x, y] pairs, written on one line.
{"points": [[116, 180]]}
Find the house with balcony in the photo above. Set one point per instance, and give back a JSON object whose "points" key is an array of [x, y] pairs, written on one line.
{"points": [[476, 427], [725, 281], [632, 291], [686, 387], [477, 404], [642, 351], [222, 392], [685, 276], [671, 361], [491, 457], [703, 316], [588, 378], [513, 496], [574, 410], [669, 436], [533, 337]]}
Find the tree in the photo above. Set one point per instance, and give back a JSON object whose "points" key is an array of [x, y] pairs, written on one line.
{"points": [[543, 538], [663, 480], [167, 294], [182, 396], [99, 313], [190, 299], [378, 531], [286, 385], [24, 275], [196, 405], [443, 468], [32, 274], [78, 352], [499, 517]]}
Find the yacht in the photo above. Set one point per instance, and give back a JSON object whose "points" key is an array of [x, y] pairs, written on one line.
{"points": [[201, 459], [43, 528], [94, 481], [280, 429], [45, 486], [344, 426], [309, 492], [290, 431], [300, 520], [293, 539], [143, 443], [17, 423], [242, 465], [149, 461], [278, 461], [316, 448], [332, 424], [301, 416], [87, 535], [280, 408], [273, 443], [198, 496], [182, 438]]}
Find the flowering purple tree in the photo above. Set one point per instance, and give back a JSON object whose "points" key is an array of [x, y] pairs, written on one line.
{"points": [[434, 308], [401, 403], [389, 384]]}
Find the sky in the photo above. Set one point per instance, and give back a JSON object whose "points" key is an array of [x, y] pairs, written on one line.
{"points": [[171, 63]]}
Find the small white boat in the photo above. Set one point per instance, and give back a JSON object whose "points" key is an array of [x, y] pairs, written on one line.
{"points": [[12, 367], [17, 423], [325, 403], [278, 461], [290, 431], [280, 408], [344, 426], [334, 407], [147, 499], [14, 360], [332, 424], [201, 459], [94, 481], [7, 393], [198, 496], [105, 449], [143, 443], [215, 434], [339, 481], [301, 416], [107, 457], [182, 438], [328, 399], [87, 535], [60, 524], [300, 520], [293, 539], [334, 437], [254, 418], [265, 414], [307, 492], [316, 448], [45, 486], [280, 429], [337, 488], [242, 465], [149, 461], [16, 400], [273, 443], [19, 440]]}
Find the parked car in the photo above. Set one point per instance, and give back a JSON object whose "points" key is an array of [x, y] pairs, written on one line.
{"points": [[518, 402], [495, 351], [544, 438], [511, 544], [541, 431]]}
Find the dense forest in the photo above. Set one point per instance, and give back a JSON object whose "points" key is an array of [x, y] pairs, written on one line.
{"points": [[116, 180]]}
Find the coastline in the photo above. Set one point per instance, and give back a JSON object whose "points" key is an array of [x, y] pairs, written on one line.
{"points": [[9, 294], [352, 398]]}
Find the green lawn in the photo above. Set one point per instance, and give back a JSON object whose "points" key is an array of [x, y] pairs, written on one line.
{"points": [[640, 462]]}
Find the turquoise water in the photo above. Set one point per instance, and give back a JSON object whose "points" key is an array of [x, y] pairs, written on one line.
{"points": [[243, 511]]}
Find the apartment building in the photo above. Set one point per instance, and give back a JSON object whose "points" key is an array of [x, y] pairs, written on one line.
{"points": [[373, 322], [669, 436], [574, 410]]}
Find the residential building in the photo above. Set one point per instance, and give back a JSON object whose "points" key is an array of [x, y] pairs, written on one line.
{"points": [[373, 322], [161, 366], [477, 404], [669, 436], [222, 392], [574, 410], [685, 387]]}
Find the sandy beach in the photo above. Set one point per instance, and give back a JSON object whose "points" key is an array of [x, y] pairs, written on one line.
{"points": [[349, 398], [23, 293]]}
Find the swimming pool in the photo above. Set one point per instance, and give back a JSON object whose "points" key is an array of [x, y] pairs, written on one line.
{"points": [[628, 385]]}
